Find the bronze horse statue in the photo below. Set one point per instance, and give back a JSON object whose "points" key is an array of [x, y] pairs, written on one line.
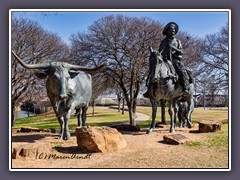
{"points": [[164, 85]]}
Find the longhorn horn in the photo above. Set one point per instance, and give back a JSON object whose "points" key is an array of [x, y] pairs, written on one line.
{"points": [[85, 69], [31, 66]]}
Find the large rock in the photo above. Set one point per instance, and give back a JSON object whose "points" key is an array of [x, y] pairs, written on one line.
{"points": [[100, 139], [176, 139], [206, 126], [31, 150]]}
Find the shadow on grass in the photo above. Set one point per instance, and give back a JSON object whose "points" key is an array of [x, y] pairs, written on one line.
{"points": [[194, 131]]}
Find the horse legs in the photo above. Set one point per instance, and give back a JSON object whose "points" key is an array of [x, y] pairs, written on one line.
{"points": [[163, 111], [176, 109], [189, 123], [190, 110], [185, 119], [172, 128], [154, 112]]}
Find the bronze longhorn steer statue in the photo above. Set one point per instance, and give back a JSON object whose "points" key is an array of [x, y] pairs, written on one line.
{"points": [[68, 87]]}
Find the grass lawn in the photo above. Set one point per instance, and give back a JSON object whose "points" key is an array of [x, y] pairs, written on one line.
{"points": [[207, 150], [107, 116], [103, 116], [197, 115]]}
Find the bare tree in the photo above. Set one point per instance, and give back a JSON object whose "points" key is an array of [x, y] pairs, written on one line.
{"points": [[215, 52], [212, 67], [99, 86], [123, 43], [34, 45]]}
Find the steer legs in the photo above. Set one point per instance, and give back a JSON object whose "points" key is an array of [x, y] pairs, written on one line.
{"points": [[78, 112], [84, 115], [61, 122]]}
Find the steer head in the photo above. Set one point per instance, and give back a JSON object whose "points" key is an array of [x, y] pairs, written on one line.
{"points": [[59, 75]]}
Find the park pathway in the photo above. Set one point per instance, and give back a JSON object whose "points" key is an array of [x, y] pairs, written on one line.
{"points": [[139, 117]]}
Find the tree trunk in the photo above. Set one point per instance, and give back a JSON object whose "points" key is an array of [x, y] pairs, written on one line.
{"points": [[119, 104], [131, 116], [131, 113], [28, 111], [135, 95], [123, 106], [129, 102], [13, 117], [134, 105], [93, 108]]}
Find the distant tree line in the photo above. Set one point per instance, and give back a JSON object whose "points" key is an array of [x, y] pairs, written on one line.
{"points": [[123, 44]]}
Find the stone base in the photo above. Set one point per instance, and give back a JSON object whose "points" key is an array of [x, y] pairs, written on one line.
{"points": [[206, 126], [176, 139], [100, 139], [31, 150], [28, 129]]}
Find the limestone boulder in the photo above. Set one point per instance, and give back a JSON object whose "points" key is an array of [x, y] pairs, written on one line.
{"points": [[100, 139], [206, 126], [31, 150], [176, 139]]}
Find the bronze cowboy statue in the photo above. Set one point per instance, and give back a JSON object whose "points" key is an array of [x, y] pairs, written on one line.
{"points": [[171, 50]]}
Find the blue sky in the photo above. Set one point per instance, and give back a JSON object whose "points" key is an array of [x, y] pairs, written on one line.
{"points": [[64, 24]]}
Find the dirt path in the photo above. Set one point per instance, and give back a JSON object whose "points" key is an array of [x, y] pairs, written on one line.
{"points": [[140, 117], [142, 151]]}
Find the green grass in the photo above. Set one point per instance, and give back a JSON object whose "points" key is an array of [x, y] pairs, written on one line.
{"points": [[194, 144], [103, 117], [145, 124], [197, 115], [219, 140], [56, 145]]}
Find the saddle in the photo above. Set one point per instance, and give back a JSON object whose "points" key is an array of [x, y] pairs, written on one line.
{"points": [[173, 73]]}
